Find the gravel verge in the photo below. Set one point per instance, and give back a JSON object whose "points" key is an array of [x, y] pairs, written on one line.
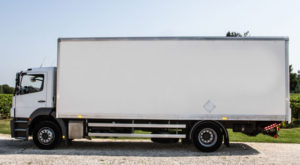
{"points": [[108, 151]]}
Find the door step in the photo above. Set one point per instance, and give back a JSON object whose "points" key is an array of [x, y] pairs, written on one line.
{"points": [[19, 128]]}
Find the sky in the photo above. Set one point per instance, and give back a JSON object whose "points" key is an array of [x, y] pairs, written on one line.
{"points": [[29, 29]]}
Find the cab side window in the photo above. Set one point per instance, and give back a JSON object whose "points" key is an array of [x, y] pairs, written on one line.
{"points": [[31, 84]]}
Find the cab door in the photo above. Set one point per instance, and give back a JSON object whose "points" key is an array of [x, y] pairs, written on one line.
{"points": [[32, 94]]}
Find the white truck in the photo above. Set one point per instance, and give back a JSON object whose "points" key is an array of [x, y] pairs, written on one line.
{"points": [[188, 89]]}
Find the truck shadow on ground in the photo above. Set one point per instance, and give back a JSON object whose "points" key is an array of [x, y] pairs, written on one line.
{"points": [[122, 148]]}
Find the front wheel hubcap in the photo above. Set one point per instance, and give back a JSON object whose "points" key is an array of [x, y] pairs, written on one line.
{"points": [[46, 135]]}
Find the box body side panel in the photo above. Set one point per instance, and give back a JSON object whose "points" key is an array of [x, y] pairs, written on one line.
{"points": [[172, 79]]}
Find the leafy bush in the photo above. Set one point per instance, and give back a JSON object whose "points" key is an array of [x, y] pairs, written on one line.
{"points": [[5, 105], [293, 124], [295, 105]]}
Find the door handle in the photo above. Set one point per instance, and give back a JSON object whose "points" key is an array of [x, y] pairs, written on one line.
{"points": [[41, 101]]}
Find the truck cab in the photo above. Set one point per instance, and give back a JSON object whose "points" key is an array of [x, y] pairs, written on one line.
{"points": [[34, 96]]}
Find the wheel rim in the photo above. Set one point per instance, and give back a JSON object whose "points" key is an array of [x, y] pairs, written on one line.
{"points": [[46, 135], [207, 137]]}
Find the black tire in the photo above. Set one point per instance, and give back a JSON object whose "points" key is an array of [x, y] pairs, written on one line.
{"points": [[46, 135], [207, 137], [165, 140]]}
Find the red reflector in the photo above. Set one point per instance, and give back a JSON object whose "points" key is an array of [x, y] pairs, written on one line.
{"points": [[275, 136]]}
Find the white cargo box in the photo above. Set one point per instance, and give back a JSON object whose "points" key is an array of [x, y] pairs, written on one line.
{"points": [[173, 78]]}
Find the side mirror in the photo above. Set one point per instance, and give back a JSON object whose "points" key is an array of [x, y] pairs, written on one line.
{"points": [[17, 86]]}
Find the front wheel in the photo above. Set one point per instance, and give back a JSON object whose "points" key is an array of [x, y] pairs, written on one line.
{"points": [[207, 137], [46, 135]]}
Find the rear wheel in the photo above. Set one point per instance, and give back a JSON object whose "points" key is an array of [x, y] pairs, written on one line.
{"points": [[207, 137], [46, 135]]}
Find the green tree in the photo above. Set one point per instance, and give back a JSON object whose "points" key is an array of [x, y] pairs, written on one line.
{"points": [[6, 89], [294, 81], [237, 34]]}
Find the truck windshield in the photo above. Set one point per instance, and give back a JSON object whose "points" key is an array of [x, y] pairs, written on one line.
{"points": [[31, 83]]}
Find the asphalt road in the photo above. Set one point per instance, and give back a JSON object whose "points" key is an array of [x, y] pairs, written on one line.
{"points": [[107, 151]]}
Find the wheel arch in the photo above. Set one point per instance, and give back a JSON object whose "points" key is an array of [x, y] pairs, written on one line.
{"points": [[43, 114]]}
